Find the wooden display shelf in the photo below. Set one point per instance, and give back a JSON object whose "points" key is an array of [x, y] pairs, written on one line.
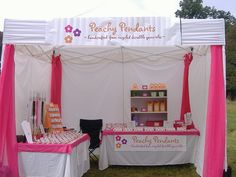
{"points": [[138, 112], [147, 97]]}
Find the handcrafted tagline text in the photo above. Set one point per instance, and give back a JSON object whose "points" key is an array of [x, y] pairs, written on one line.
{"points": [[125, 37]]}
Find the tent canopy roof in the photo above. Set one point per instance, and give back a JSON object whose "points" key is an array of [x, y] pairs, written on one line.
{"points": [[120, 54], [116, 31]]}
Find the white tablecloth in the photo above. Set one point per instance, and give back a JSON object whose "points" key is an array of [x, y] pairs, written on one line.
{"points": [[43, 164], [108, 155]]}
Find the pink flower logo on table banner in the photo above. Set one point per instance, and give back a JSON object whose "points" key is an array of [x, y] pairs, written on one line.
{"points": [[118, 138], [118, 145], [120, 141], [124, 141]]}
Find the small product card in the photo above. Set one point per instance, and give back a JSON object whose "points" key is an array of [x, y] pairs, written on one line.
{"points": [[27, 131]]}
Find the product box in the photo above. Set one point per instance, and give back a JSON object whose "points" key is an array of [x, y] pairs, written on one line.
{"points": [[178, 123], [156, 106], [150, 106], [157, 123]]}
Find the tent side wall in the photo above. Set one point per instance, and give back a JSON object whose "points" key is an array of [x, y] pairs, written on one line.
{"points": [[103, 90], [198, 86], [31, 76]]}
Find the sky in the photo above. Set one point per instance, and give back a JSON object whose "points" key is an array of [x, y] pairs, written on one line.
{"points": [[226, 5], [49, 9]]}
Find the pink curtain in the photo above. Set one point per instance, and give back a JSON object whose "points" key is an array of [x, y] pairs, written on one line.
{"points": [[8, 144], [56, 78], [215, 122], [185, 106]]}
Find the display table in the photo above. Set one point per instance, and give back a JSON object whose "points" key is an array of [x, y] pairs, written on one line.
{"points": [[57, 160], [147, 147]]}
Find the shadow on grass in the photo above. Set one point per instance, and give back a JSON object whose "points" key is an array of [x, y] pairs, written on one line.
{"points": [[142, 171]]}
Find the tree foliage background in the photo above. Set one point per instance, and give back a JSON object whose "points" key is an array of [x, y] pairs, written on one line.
{"points": [[194, 9]]}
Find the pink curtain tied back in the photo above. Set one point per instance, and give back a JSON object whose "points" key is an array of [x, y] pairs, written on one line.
{"points": [[56, 80], [185, 106], [8, 144]]}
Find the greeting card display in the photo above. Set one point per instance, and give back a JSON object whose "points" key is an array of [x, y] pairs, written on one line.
{"points": [[53, 121], [59, 138]]}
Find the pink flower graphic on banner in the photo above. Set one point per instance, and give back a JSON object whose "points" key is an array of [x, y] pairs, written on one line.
{"points": [[124, 141], [68, 39], [118, 145], [76, 32], [68, 29], [118, 138]]}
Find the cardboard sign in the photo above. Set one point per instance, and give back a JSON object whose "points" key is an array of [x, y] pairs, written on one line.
{"points": [[53, 121], [27, 131]]}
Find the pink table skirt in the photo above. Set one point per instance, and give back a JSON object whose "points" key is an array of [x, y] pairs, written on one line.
{"points": [[187, 132], [54, 148]]}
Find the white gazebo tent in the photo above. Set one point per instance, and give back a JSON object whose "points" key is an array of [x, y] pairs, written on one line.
{"points": [[103, 57]]}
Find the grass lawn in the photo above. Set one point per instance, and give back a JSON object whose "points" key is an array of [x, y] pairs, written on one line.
{"points": [[139, 171], [231, 138], [175, 170]]}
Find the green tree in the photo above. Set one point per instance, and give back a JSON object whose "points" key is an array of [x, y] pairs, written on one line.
{"points": [[193, 9], [231, 61]]}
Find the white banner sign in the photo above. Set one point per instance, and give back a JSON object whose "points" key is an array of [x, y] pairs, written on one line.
{"points": [[112, 31], [150, 143]]}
